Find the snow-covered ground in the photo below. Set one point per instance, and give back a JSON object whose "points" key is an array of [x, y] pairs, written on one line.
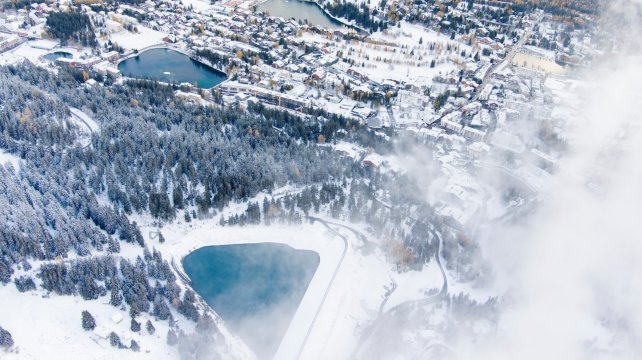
{"points": [[7, 158], [50, 328], [84, 120], [143, 38], [85, 123], [352, 301], [197, 5], [397, 54], [415, 285], [24, 51], [410, 34], [352, 298]]}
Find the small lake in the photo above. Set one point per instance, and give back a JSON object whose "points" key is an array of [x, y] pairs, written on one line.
{"points": [[57, 55], [172, 67], [255, 288], [299, 10]]}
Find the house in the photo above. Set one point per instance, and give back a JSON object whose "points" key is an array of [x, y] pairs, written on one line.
{"points": [[473, 134], [102, 332], [9, 42], [357, 74], [319, 74], [117, 318]]}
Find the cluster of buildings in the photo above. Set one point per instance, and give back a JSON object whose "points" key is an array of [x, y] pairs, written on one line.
{"points": [[9, 42], [474, 110]]}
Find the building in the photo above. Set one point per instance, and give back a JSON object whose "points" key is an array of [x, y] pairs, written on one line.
{"points": [[9, 42], [269, 96], [84, 64]]}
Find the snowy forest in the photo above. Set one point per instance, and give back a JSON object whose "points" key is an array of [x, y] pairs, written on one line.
{"points": [[66, 207]]}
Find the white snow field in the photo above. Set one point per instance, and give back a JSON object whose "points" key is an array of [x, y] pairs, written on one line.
{"points": [[7, 158], [144, 38], [50, 328]]}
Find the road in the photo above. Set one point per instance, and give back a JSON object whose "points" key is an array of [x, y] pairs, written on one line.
{"points": [[384, 321], [489, 74], [327, 290], [186, 280], [367, 244], [444, 287], [84, 119], [509, 57]]}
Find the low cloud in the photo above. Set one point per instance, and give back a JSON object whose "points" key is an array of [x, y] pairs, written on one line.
{"points": [[574, 268]]}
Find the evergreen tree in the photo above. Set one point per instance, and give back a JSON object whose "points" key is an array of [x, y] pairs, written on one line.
{"points": [[116, 299], [160, 310], [24, 283], [178, 198], [135, 325], [6, 340], [88, 322], [114, 246], [134, 346], [114, 340], [150, 327], [172, 339]]}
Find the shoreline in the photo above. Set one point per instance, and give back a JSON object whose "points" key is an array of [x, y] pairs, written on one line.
{"points": [[341, 21], [133, 54], [328, 247], [338, 19]]}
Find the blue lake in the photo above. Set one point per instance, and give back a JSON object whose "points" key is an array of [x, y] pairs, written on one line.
{"points": [[299, 10], [172, 67], [255, 288], [57, 55]]}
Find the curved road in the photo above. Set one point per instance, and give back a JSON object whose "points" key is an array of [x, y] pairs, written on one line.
{"points": [[407, 305], [442, 293], [364, 239]]}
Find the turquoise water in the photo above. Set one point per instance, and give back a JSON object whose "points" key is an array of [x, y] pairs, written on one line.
{"points": [[171, 66], [58, 54], [255, 288], [300, 10]]}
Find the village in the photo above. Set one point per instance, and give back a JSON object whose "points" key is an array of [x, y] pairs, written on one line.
{"points": [[390, 151], [481, 98]]}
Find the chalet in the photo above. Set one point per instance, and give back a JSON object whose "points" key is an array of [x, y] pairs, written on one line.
{"points": [[8, 43], [111, 56], [318, 75], [361, 76]]}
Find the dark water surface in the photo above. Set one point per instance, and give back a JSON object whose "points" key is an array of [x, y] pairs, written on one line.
{"points": [[255, 288], [57, 55], [300, 10], [172, 67]]}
